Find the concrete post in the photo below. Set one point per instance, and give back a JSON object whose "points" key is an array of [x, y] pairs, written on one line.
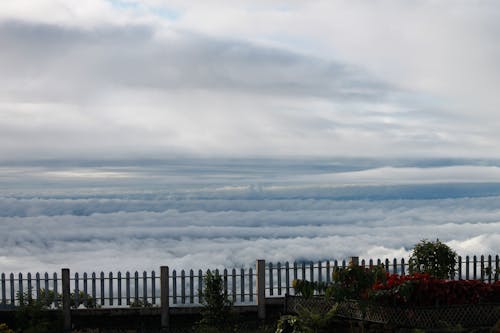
{"points": [[261, 289], [165, 301], [66, 299]]}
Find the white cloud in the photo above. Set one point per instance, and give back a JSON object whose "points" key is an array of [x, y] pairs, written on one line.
{"points": [[229, 217]]}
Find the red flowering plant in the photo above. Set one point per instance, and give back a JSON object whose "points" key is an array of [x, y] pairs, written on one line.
{"points": [[421, 289]]}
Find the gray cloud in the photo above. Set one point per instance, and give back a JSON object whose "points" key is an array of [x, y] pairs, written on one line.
{"points": [[83, 61], [235, 219]]}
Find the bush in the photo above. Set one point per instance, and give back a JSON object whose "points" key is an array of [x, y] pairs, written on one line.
{"points": [[216, 311], [434, 258]]}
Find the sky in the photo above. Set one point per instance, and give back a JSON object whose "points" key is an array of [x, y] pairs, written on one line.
{"points": [[212, 133], [107, 79]]}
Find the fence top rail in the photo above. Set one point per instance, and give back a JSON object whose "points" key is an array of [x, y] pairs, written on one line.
{"points": [[299, 264]]}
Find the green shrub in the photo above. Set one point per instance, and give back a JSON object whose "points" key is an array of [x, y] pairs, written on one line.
{"points": [[216, 311], [434, 258]]}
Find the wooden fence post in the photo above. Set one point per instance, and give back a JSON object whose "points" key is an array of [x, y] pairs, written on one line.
{"points": [[261, 289], [165, 301], [66, 295]]}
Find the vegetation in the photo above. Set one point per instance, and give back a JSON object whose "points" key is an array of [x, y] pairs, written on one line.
{"points": [[31, 315], [434, 258], [5, 329], [216, 312]]}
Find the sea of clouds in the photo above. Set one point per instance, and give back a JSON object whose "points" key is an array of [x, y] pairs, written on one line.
{"points": [[214, 213]]}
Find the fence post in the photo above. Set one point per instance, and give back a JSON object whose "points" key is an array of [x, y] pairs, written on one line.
{"points": [[164, 295], [66, 294], [261, 289], [354, 261]]}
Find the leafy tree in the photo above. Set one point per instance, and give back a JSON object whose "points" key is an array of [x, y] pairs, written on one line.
{"points": [[435, 258]]}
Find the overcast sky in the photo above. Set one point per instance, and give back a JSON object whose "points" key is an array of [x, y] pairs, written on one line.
{"points": [[152, 78]]}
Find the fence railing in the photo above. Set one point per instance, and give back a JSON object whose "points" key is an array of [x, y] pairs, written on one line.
{"points": [[185, 288]]}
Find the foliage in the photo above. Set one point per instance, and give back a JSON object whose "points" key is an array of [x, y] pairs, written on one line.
{"points": [[352, 282], [422, 289], [307, 321], [435, 258], [307, 289], [31, 315], [5, 329], [139, 303], [216, 311], [355, 282]]}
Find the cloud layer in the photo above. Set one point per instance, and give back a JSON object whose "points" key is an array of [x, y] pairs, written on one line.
{"points": [[230, 215]]}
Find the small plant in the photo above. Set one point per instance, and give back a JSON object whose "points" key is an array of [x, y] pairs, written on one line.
{"points": [[434, 258], [139, 303], [216, 311], [307, 320]]}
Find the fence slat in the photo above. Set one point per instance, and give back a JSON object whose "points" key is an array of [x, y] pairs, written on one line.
{"points": [[490, 268], [295, 270], [119, 287], [191, 286], [320, 273], [287, 278], [30, 288], [136, 288], [278, 274], [12, 292], [153, 287], [250, 284], [328, 271], [395, 266], [242, 285], [225, 282], [85, 290], [174, 286], [127, 287], [145, 288], [183, 287], [482, 268], [94, 291], [311, 271], [77, 289], [370, 263], [271, 279], [474, 259], [20, 283], [4, 296], [102, 288], [303, 270], [46, 278], [403, 266], [200, 286], [233, 285], [467, 262], [55, 290], [459, 267], [111, 288], [37, 285]]}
